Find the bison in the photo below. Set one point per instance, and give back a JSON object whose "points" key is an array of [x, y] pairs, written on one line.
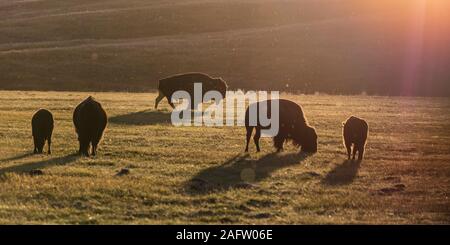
{"points": [[90, 121], [292, 126], [185, 82], [42, 129], [355, 133]]}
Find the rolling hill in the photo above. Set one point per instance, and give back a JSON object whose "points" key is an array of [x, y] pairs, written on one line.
{"points": [[333, 46]]}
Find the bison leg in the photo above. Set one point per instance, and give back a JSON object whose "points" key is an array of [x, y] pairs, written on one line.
{"points": [[158, 99], [49, 141], [84, 147], [94, 149], [84, 151], [249, 135], [256, 138], [278, 142], [349, 149], [94, 144], [360, 152], [40, 145], [95, 141], [354, 151], [35, 146]]}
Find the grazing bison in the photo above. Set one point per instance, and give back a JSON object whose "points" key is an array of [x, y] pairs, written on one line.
{"points": [[90, 121], [355, 133], [185, 82], [292, 126], [42, 129]]}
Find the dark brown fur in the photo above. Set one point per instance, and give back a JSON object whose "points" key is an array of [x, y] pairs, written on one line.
{"points": [[292, 126], [42, 129], [185, 82], [90, 121], [355, 134]]}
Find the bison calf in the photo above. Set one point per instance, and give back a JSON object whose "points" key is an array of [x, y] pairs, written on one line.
{"points": [[292, 126], [355, 133], [42, 129], [90, 121], [185, 82]]}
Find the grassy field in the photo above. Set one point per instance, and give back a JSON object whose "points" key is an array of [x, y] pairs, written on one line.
{"points": [[333, 46], [201, 175]]}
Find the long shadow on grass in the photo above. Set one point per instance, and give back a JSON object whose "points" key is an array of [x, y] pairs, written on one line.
{"points": [[343, 174], [18, 157], [147, 117], [240, 172], [28, 167]]}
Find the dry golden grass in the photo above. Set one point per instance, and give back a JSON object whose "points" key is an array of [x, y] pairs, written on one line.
{"points": [[201, 175]]}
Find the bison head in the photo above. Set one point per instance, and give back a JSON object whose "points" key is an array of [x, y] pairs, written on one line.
{"points": [[309, 140]]}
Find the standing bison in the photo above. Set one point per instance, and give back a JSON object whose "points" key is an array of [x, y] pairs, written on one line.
{"points": [[355, 133], [292, 126], [42, 129], [90, 121], [185, 82]]}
